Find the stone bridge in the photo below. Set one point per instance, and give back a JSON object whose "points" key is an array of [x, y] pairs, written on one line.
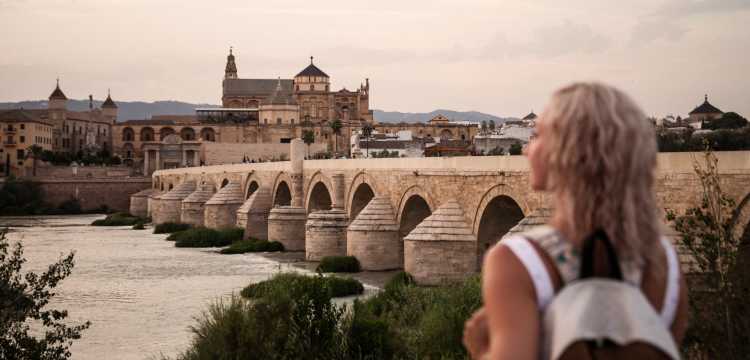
{"points": [[434, 217]]}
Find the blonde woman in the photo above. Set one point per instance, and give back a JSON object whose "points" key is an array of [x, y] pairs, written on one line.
{"points": [[595, 152]]}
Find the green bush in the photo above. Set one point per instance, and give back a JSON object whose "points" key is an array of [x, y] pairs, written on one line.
{"points": [[204, 237], [335, 264], [253, 245], [117, 219], [297, 285], [139, 226], [170, 227], [291, 316]]}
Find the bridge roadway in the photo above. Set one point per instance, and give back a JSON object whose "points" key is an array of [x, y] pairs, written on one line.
{"points": [[433, 216]]}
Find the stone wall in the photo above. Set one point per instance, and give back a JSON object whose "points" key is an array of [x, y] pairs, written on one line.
{"points": [[58, 172], [93, 193], [215, 153]]}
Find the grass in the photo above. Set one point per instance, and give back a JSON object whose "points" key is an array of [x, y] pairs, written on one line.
{"points": [[204, 237], [118, 219], [253, 245], [337, 264], [170, 227], [297, 285]]}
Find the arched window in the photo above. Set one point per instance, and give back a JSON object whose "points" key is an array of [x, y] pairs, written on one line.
{"points": [[164, 132], [147, 134], [208, 134], [128, 134], [187, 134]]}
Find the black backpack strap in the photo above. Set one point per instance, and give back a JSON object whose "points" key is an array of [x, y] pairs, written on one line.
{"points": [[588, 256]]}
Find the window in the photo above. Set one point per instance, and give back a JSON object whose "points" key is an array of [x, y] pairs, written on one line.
{"points": [[23, 139], [265, 121], [285, 140], [23, 126], [278, 121], [19, 154], [292, 121]]}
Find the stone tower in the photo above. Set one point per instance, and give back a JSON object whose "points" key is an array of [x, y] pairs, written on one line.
{"points": [[230, 71], [109, 108], [58, 103], [311, 79]]}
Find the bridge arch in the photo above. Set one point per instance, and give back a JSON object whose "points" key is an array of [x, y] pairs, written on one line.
{"points": [[414, 206], [498, 212], [252, 184], [741, 220], [282, 190], [319, 194], [361, 190]]}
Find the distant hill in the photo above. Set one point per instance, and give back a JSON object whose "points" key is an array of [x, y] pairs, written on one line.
{"points": [[127, 110], [475, 116], [135, 110]]}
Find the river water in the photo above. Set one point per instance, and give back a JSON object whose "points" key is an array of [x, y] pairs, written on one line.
{"points": [[139, 292]]}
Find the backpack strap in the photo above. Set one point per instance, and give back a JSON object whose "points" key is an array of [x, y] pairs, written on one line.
{"points": [[672, 292], [534, 265]]}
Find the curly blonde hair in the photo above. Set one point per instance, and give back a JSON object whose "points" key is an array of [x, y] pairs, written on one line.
{"points": [[602, 158]]}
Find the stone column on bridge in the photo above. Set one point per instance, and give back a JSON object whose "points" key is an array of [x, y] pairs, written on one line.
{"points": [[253, 214], [286, 224], [337, 181], [325, 234], [158, 164], [139, 202]]}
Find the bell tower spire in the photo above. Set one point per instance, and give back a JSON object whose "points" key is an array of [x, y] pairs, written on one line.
{"points": [[230, 71]]}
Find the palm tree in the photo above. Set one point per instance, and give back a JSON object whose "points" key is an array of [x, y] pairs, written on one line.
{"points": [[336, 127], [308, 136], [34, 152], [366, 132]]}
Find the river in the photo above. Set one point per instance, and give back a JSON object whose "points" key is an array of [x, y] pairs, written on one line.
{"points": [[139, 292]]}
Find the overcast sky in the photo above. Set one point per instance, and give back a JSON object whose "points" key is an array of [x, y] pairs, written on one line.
{"points": [[503, 57]]}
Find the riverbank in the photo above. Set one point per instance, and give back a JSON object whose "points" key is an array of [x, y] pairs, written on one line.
{"points": [[138, 290]]}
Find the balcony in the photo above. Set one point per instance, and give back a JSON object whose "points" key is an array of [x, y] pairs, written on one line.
{"points": [[9, 143], [9, 130]]}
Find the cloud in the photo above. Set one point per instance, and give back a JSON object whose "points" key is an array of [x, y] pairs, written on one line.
{"points": [[549, 42], [650, 30], [681, 8]]}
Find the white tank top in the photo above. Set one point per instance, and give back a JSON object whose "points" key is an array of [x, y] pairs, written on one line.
{"points": [[567, 262]]}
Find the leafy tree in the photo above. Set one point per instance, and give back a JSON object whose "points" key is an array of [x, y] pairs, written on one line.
{"points": [[367, 132], [730, 120], [23, 301], [483, 127], [34, 152], [336, 128], [515, 149], [719, 326], [308, 136], [492, 125]]}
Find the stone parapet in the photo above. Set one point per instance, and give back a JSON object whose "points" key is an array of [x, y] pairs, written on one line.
{"points": [[325, 234], [286, 224], [253, 214], [442, 247], [373, 237]]}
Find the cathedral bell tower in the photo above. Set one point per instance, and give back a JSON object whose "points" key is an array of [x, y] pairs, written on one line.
{"points": [[230, 72]]}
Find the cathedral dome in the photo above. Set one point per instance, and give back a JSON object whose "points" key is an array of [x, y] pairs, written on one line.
{"points": [[312, 70]]}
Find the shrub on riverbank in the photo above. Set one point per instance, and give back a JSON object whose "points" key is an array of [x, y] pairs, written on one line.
{"points": [[204, 237], [336, 264], [253, 245], [292, 316], [297, 285], [117, 219], [139, 226], [170, 227]]}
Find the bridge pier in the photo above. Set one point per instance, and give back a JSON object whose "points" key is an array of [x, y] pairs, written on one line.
{"points": [[441, 248], [170, 204], [286, 224], [193, 206], [373, 236], [253, 214], [221, 209], [153, 203], [139, 202], [325, 234]]}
